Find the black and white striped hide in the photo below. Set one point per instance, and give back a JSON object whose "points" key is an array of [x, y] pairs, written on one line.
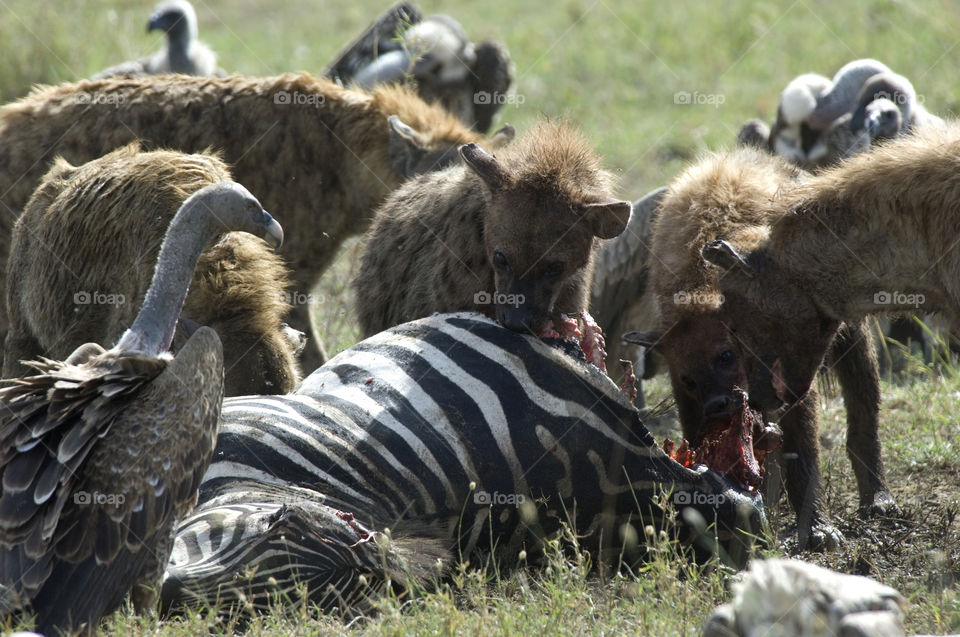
{"points": [[458, 436]]}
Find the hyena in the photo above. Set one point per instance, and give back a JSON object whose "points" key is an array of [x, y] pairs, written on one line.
{"points": [[511, 236], [736, 197]]}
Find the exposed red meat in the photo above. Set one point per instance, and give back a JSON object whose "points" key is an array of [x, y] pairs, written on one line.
{"points": [[728, 448], [685, 456], [568, 328], [582, 329], [668, 446], [735, 448], [547, 331], [365, 534], [592, 343]]}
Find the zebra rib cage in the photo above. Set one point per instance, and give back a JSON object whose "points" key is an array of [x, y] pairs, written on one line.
{"points": [[435, 442]]}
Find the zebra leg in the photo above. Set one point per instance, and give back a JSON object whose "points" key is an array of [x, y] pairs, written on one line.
{"points": [[251, 554]]}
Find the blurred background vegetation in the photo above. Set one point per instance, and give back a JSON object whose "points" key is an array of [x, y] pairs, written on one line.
{"points": [[613, 66]]}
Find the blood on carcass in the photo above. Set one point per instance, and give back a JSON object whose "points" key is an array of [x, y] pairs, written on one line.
{"points": [[584, 331], [735, 449]]}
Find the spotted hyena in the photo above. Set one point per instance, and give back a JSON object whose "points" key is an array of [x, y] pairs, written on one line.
{"points": [[511, 236]]}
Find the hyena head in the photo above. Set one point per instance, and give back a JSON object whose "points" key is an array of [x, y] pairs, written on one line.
{"points": [[705, 367], [547, 199]]}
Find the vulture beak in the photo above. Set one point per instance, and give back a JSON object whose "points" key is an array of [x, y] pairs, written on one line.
{"points": [[272, 232], [154, 22]]}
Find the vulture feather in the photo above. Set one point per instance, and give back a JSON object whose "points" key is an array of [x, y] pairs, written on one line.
{"points": [[102, 454], [469, 80]]}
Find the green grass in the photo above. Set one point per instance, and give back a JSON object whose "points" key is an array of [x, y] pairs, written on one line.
{"points": [[615, 68], [612, 66]]}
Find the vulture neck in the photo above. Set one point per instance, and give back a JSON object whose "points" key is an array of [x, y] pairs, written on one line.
{"points": [[179, 45], [189, 233]]}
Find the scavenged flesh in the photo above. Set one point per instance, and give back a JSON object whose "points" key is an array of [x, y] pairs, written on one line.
{"points": [[585, 331], [735, 449]]}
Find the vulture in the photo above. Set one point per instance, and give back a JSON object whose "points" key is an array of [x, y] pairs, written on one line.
{"points": [[821, 121], [754, 132], [379, 38], [101, 454], [470, 80], [791, 598], [897, 89], [811, 103], [184, 53], [846, 137], [797, 101], [841, 97]]}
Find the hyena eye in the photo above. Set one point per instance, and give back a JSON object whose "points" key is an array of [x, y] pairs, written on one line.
{"points": [[555, 269], [726, 358], [499, 260]]}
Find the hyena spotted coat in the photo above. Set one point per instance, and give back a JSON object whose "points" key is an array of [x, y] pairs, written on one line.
{"points": [[735, 197], [510, 236], [319, 156]]}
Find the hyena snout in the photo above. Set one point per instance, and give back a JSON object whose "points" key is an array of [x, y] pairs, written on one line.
{"points": [[517, 319], [522, 307], [718, 408]]}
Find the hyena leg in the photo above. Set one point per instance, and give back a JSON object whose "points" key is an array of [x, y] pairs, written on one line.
{"points": [[801, 454], [853, 357]]}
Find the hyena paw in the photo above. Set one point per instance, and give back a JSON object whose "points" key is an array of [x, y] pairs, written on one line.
{"points": [[881, 505], [819, 538]]}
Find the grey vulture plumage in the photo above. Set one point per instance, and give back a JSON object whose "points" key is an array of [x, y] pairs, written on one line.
{"points": [[895, 88], [470, 80], [841, 96], [183, 52], [102, 454], [619, 300]]}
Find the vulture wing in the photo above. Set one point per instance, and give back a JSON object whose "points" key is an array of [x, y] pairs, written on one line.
{"points": [[125, 462], [620, 269]]}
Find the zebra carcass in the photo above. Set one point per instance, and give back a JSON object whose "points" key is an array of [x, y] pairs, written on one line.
{"points": [[439, 440]]}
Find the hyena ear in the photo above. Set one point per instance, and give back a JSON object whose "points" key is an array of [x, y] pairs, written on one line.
{"points": [[607, 218], [723, 254], [485, 165], [650, 340], [502, 137], [406, 147]]}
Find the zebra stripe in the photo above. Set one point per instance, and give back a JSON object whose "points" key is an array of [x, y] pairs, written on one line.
{"points": [[456, 435]]}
